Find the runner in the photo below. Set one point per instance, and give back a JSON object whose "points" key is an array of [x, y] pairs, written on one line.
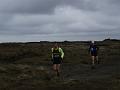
{"points": [[57, 57], [93, 49]]}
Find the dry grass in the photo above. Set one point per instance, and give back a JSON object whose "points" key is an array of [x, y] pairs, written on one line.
{"points": [[27, 66]]}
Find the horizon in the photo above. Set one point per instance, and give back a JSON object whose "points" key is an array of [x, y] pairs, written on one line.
{"points": [[60, 41]]}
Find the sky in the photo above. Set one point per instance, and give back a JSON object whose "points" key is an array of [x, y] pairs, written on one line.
{"points": [[59, 20]]}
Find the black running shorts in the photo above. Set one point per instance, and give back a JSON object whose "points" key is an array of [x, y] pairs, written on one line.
{"points": [[57, 60], [93, 53]]}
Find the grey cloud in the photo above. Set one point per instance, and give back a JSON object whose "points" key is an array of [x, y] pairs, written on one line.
{"points": [[27, 6], [59, 19], [48, 6]]}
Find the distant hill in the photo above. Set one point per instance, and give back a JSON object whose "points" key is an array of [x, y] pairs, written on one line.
{"points": [[111, 40]]}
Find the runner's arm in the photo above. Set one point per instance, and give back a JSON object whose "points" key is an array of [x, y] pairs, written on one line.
{"points": [[52, 53], [62, 53]]}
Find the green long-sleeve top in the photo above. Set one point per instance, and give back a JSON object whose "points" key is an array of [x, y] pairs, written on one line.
{"points": [[60, 50]]}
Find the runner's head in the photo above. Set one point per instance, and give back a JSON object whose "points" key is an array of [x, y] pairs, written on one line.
{"points": [[92, 42], [56, 45]]}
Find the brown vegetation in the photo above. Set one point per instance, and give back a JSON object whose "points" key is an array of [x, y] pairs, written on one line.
{"points": [[27, 66]]}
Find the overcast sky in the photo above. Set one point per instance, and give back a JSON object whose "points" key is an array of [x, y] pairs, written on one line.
{"points": [[36, 20]]}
